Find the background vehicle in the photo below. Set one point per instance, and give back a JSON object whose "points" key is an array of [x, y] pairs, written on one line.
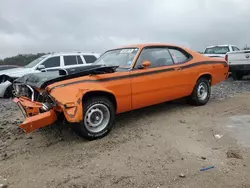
{"points": [[6, 67], [220, 50], [50, 62], [121, 80], [239, 63]]}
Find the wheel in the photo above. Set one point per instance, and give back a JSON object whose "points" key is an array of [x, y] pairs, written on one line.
{"points": [[237, 75], [201, 92], [98, 118], [8, 92]]}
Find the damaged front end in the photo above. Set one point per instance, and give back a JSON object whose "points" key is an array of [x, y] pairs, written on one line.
{"points": [[38, 108]]}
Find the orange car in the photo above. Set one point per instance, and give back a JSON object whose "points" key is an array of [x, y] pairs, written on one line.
{"points": [[121, 80]]}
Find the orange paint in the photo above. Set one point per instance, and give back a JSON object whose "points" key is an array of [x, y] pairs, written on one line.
{"points": [[38, 121], [132, 89]]}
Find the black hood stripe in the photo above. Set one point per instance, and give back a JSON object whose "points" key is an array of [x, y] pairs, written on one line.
{"points": [[143, 73]]}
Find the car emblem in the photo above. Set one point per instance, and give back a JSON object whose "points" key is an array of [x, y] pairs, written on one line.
{"points": [[247, 56]]}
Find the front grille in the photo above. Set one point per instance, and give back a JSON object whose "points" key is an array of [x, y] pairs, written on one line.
{"points": [[27, 91]]}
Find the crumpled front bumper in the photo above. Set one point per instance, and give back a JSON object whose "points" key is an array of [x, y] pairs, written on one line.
{"points": [[33, 118]]}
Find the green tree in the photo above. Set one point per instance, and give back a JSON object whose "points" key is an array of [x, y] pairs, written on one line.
{"points": [[21, 59]]}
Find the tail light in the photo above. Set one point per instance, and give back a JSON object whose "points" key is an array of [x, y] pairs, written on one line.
{"points": [[226, 58]]}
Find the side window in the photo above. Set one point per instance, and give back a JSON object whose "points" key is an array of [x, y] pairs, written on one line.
{"points": [[79, 60], [235, 48], [70, 60], [52, 62], [90, 58], [157, 56], [178, 56]]}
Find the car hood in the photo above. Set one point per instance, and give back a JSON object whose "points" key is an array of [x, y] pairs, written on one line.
{"points": [[16, 72], [43, 79]]}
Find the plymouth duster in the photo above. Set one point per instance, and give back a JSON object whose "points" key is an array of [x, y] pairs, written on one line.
{"points": [[121, 80]]}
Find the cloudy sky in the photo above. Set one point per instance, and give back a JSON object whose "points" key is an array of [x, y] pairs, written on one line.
{"points": [[30, 26]]}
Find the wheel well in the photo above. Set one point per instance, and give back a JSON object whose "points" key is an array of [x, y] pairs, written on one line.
{"points": [[207, 76], [110, 96]]}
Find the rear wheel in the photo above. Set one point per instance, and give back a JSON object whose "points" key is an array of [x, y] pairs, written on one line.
{"points": [[237, 75], [201, 92], [98, 118]]}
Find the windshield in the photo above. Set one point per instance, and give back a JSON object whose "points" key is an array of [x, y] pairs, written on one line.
{"points": [[120, 57], [217, 50], [35, 62]]}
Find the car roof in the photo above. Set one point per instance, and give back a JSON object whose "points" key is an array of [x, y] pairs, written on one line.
{"points": [[74, 53], [146, 45], [221, 45]]}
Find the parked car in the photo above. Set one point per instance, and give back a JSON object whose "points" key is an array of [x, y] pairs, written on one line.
{"points": [[6, 67], [239, 63], [121, 80], [220, 50], [45, 63]]}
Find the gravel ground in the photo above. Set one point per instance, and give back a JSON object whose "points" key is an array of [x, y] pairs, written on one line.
{"points": [[229, 88], [160, 146]]}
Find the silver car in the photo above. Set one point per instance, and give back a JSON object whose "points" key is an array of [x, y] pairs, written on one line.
{"points": [[45, 63]]}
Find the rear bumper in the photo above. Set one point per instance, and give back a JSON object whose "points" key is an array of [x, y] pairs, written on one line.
{"points": [[33, 118], [233, 68]]}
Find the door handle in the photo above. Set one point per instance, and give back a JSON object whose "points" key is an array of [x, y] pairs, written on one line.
{"points": [[177, 68]]}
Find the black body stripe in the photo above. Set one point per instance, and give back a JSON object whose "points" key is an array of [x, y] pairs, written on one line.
{"points": [[143, 73]]}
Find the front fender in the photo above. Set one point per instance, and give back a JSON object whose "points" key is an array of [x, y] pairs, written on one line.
{"points": [[3, 87], [70, 100]]}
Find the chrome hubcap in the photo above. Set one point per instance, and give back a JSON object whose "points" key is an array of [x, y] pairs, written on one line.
{"points": [[202, 91], [97, 118]]}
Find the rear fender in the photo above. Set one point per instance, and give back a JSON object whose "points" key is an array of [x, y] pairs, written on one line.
{"points": [[204, 74]]}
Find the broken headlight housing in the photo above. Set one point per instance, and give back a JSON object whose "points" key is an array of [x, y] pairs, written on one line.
{"points": [[23, 90]]}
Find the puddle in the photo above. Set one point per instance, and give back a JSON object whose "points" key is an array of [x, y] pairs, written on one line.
{"points": [[239, 128]]}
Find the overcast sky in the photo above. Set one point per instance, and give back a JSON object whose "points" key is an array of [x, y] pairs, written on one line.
{"points": [[30, 26]]}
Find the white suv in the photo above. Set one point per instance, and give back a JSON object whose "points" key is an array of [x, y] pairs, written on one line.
{"points": [[49, 62]]}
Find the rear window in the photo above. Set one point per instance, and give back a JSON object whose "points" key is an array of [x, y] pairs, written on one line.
{"points": [[90, 58], [178, 56], [217, 50], [235, 48]]}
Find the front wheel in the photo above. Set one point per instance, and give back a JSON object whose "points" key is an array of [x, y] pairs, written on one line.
{"points": [[201, 93], [8, 92], [98, 118]]}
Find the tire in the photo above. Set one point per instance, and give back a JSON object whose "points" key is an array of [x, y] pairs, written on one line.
{"points": [[237, 75], [197, 98], [8, 92], [96, 110]]}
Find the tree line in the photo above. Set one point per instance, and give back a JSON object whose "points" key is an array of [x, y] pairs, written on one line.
{"points": [[24, 59], [21, 59]]}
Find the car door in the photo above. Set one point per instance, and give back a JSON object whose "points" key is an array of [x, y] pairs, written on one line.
{"points": [[186, 74], [52, 64], [157, 83]]}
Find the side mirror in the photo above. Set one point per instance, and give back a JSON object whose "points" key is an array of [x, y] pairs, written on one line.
{"points": [[40, 67], [145, 64]]}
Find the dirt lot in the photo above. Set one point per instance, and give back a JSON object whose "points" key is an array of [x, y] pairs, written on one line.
{"points": [[160, 146]]}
